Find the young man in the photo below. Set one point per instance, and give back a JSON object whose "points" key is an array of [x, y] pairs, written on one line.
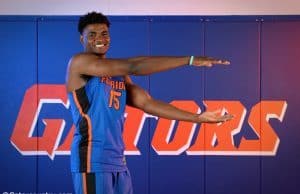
{"points": [[99, 89]]}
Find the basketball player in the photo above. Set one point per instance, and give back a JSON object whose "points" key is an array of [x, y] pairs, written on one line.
{"points": [[99, 89]]}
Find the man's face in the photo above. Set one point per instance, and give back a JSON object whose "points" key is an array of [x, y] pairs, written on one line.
{"points": [[95, 39]]}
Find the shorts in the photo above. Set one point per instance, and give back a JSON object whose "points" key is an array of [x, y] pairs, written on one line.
{"points": [[102, 183]]}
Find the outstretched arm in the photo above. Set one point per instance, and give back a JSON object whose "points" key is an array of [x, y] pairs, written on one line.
{"points": [[93, 65], [139, 98]]}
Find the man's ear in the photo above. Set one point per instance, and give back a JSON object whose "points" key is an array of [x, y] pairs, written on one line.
{"points": [[81, 39]]}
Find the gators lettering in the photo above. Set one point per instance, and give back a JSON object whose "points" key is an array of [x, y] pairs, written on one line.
{"points": [[210, 139]]}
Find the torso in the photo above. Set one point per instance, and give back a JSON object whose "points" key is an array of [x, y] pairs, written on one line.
{"points": [[98, 113]]}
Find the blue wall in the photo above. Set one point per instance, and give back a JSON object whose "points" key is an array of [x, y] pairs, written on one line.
{"points": [[264, 54]]}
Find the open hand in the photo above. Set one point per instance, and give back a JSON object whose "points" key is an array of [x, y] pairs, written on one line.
{"points": [[208, 61], [214, 117]]}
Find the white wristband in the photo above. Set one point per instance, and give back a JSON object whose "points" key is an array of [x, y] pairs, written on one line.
{"points": [[191, 60]]}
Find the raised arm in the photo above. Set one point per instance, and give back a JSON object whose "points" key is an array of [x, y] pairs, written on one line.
{"points": [[139, 98]]}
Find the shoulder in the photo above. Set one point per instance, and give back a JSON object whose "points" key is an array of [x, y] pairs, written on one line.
{"points": [[81, 60], [74, 78], [127, 79], [81, 57]]}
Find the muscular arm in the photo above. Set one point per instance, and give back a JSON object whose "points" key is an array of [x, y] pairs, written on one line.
{"points": [[139, 98], [92, 65]]}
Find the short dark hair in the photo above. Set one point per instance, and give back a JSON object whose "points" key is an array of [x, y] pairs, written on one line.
{"points": [[92, 18]]}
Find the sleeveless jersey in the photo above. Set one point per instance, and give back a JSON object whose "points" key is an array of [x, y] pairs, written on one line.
{"points": [[98, 114]]}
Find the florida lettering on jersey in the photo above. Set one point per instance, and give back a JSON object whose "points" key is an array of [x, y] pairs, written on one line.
{"points": [[115, 93], [114, 84]]}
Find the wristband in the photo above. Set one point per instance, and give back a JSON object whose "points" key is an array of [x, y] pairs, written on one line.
{"points": [[191, 60]]}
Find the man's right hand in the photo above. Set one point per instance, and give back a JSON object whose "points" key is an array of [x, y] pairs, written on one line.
{"points": [[209, 61], [214, 117]]}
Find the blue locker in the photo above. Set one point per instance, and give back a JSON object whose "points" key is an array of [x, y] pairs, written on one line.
{"points": [[180, 173], [231, 172]]}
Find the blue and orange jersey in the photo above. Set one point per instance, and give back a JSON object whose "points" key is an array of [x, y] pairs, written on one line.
{"points": [[98, 114]]}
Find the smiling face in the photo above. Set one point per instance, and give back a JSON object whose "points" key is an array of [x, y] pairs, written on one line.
{"points": [[96, 39]]}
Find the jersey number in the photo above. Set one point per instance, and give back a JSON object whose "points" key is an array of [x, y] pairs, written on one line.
{"points": [[114, 100]]}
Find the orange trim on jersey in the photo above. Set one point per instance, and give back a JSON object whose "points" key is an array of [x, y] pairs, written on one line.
{"points": [[84, 183], [89, 131]]}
